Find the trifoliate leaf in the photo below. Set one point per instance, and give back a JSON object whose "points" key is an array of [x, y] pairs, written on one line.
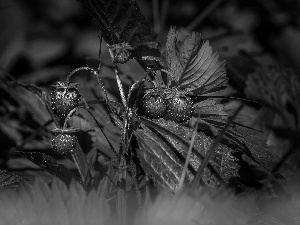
{"points": [[124, 28], [164, 146], [192, 65]]}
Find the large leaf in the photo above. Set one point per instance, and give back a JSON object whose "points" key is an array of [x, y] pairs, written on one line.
{"points": [[119, 21], [243, 138], [163, 149], [192, 65]]}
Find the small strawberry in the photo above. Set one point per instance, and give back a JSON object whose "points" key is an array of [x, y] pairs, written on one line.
{"points": [[121, 52], [154, 105], [180, 108], [64, 142], [64, 98]]}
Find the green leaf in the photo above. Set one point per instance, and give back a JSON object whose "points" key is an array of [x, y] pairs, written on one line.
{"points": [[193, 66], [164, 146], [9, 180]]}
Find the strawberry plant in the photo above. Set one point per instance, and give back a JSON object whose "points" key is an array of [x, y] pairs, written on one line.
{"points": [[148, 116]]}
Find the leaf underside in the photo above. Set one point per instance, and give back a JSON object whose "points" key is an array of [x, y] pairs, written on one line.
{"points": [[163, 156], [193, 65], [49, 164], [119, 21]]}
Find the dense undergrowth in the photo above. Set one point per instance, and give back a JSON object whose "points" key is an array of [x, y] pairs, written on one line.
{"points": [[180, 121]]}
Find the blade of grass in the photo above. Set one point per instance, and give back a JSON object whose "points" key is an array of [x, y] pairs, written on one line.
{"points": [[188, 155], [186, 144], [102, 131], [199, 19], [212, 149]]}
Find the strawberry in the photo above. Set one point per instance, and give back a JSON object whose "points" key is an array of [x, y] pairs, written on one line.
{"points": [[64, 98], [154, 105], [121, 52], [180, 108], [64, 142]]}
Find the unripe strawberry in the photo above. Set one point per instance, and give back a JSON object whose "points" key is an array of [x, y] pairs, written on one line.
{"points": [[64, 98], [180, 108], [154, 105], [64, 143]]}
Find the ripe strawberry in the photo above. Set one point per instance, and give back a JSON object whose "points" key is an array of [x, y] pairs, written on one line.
{"points": [[64, 143], [64, 98], [154, 105], [180, 108]]}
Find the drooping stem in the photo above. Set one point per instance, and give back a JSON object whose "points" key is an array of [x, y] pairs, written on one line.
{"points": [[86, 68]]}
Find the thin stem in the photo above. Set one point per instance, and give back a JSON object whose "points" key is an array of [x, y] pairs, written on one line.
{"points": [[99, 53], [100, 82], [71, 113], [188, 155], [102, 131], [231, 98], [76, 161], [212, 149], [203, 15], [86, 68], [119, 82]]}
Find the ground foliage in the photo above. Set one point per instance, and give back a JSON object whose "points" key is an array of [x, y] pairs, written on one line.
{"points": [[258, 153]]}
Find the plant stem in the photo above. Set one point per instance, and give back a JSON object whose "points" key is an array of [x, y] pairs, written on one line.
{"points": [[121, 193], [119, 82]]}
